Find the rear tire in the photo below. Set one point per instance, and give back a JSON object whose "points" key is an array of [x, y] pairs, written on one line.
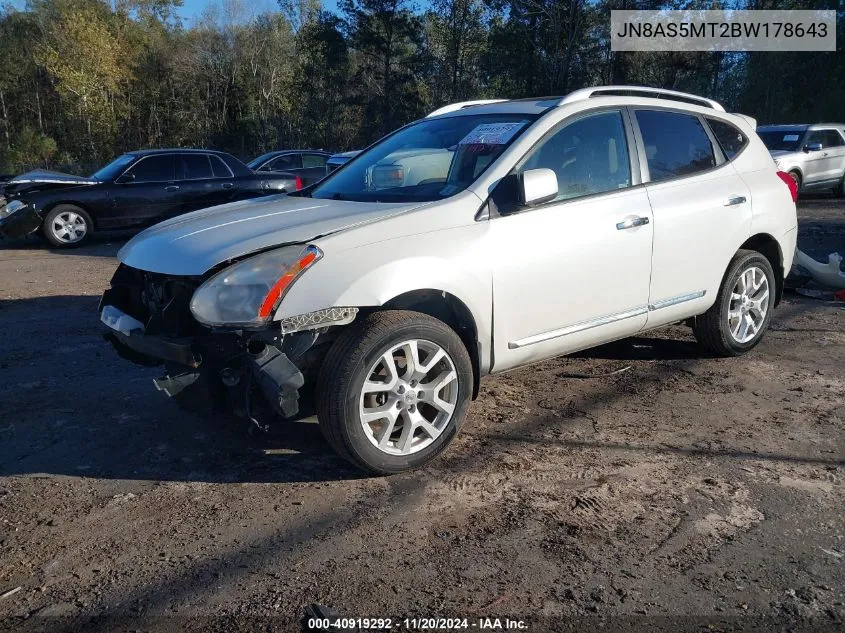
{"points": [[383, 412], [796, 176], [67, 226], [735, 323]]}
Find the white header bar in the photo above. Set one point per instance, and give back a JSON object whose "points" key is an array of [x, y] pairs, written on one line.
{"points": [[732, 31]]}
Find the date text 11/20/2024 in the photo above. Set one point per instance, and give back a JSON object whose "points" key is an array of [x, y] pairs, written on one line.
{"points": [[416, 624]]}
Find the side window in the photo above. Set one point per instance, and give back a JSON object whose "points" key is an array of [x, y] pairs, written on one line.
{"points": [[831, 138], [730, 139], [195, 167], [588, 156], [159, 168], [220, 169], [675, 144], [283, 163], [313, 160]]}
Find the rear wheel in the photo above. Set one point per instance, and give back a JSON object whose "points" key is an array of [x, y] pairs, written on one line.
{"points": [[67, 226], [742, 312], [393, 391], [796, 177]]}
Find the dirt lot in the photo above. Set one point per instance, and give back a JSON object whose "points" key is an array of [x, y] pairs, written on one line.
{"points": [[707, 490]]}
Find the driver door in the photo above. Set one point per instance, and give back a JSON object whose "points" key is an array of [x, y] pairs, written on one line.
{"points": [[574, 272], [146, 192]]}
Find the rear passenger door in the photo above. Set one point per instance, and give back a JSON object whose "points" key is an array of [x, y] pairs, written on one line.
{"points": [[701, 207], [200, 187], [824, 165]]}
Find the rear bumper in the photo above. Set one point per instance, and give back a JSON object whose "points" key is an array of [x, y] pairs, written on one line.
{"points": [[20, 223]]}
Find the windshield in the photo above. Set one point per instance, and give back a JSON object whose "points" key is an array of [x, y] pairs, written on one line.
{"points": [[429, 160], [113, 169], [256, 162], [783, 140]]}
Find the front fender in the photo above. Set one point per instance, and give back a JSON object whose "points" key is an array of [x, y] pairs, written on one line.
{"points": [[371, 275]]}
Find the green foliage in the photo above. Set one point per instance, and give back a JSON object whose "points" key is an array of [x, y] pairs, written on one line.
{"points": [[83, 80], [29, 148]]}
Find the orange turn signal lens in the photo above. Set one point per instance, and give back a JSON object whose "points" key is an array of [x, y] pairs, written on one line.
{"points": [[310, 255]]}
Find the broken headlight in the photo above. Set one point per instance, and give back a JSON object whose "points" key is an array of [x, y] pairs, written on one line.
{"points": [[10, 208], [246, 294]]}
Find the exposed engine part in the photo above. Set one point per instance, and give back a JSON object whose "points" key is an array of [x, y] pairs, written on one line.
{"points": [[172, 385], [278, 378], [319, 319]]}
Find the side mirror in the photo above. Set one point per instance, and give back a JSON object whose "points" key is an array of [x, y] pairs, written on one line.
{"points": [[538, 186], [813, 147], [125, 178]]}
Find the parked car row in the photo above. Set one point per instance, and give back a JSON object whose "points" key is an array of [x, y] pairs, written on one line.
{"points": [[141, 188], [813, 155], [474, 241]]}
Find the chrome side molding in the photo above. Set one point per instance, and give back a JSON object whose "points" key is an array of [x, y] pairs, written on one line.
{"points": [[606, 320]]}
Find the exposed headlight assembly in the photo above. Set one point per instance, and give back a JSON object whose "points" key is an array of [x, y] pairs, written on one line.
{"points": [[10, 208], [245, 294]]}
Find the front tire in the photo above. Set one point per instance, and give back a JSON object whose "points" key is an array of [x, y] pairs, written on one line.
{"points": [[67, 226], [735, 323], [839, 190], [393, 391]]}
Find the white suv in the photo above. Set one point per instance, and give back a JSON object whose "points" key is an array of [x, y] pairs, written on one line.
{"points": [[556, 225]]}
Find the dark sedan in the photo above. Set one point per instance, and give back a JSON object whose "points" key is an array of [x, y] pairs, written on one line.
{"points": [[308, 164], [134, 190]]}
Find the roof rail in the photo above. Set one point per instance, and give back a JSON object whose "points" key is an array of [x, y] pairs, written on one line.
{"points": [[452, 107], [640, 91]]}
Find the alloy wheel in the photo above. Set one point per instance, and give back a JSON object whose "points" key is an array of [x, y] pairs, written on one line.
{"points": [[409, 397], [69, 227], [748, 305]]}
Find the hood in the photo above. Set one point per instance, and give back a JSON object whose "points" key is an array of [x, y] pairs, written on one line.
{"points": [[50, 177], [193, 243]]}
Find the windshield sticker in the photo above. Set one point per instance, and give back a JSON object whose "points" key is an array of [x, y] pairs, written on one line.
{"points": [[790, 137], [492, 133]]}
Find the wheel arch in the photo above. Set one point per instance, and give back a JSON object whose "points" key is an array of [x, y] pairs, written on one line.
{"points": [[448, 308], [769, 247]]}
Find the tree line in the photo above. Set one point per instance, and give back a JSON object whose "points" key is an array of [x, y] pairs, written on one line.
{"points": [[84, 80]]}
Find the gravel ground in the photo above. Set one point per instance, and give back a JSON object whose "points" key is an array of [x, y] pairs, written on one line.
{"points": [[685, 493]]}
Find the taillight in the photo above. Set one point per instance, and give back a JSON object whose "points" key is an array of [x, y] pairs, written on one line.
{"points": [[790, 182], [298, 183]]}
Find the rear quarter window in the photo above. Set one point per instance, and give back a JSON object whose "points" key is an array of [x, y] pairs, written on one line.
{"points": [[676, 144], [730, 139]]}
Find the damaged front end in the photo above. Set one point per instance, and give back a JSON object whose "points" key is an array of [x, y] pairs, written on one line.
{"points": [[257, 372]]}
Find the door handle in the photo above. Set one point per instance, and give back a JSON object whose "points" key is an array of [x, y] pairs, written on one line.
{"points": [[172, 188], [227, 185], [734, 200], [630, 223]]}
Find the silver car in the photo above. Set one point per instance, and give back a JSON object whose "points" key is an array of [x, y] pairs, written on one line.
{"points": [[814, 155]]}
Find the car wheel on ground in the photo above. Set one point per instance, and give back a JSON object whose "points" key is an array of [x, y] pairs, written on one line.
{"points": [[66, 225], [796, 177], [839, 190], [393, 391], [735, 323]]}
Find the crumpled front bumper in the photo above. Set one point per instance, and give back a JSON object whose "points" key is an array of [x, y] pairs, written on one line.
{"points": [[229, 361], [20, 223]]}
